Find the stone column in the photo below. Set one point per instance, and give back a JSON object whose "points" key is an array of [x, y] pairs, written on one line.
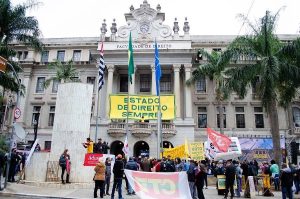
{"points": [[176, 68], [132, 86], [23, 100], [153, 84], [188, 94], [110, 69]]}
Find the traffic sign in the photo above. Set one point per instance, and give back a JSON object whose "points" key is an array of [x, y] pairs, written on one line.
{"points": [[17, 113]]}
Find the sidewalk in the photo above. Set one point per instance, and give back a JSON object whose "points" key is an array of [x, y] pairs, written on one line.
{"points": [[57, 190]]}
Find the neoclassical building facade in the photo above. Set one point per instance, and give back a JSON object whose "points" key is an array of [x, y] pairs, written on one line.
{"points": [[196, 107]]}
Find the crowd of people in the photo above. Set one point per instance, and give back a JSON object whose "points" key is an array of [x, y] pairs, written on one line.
{"points": [[236, 175]]}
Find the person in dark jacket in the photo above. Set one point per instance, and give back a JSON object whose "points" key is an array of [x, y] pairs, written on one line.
{"points": [[107, 174], [131, 165], [2, 163], [99, 147], [118, 171], [191, 177], [230, 177], [286, 178], [14, 161], [199, 181]]}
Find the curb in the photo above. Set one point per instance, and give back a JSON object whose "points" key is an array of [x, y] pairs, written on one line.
{"points": [[21, 195]]}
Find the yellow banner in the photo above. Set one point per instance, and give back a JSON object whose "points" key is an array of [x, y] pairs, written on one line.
{"points": [[141, 106], [197, 151], [176, 152]]}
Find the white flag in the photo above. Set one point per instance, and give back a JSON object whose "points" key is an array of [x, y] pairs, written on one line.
{"points": [[126, 147]]}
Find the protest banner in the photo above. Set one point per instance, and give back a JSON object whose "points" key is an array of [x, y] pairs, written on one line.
{"points": [[154, 185], [141, 106], [176, 152], [234, 150], [197, 151], [91, 159]]}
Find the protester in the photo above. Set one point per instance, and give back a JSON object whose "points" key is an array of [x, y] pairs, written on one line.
{"points": [[145, 165], [191, 174], [229, 181], [297, 179], [89, 145], [286, 178], [131, 165], [105, 147], [118, 171], [98, 148], [179, 166], [107, 174], [199, 181], [14, 161], [265, 172], [64, 158], [238, 174], [99, 178], [2, 162], [275, 174]]}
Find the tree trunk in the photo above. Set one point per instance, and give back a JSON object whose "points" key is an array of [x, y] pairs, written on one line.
{"points": [[273, 114], [221, 116], [290, 119]]}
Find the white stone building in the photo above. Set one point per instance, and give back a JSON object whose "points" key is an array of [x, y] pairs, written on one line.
{"points": [[196, 107]]}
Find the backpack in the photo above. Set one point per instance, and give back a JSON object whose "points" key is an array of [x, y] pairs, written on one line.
{"points": [[62, 160]]}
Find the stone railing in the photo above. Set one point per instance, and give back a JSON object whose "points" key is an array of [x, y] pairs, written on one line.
{"points": [[297, 130], [116, 129], [168, 130], [141, 129]]}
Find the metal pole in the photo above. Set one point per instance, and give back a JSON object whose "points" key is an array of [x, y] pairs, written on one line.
{"points": [[13, 128], [97, 115], [126, 127]]}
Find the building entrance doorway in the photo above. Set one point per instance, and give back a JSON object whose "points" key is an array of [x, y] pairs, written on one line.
{"points": [[141, 148], [116, 148]]}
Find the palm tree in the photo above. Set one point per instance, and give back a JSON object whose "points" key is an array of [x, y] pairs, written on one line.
{"points": [[16, 26], [64, 72], [268, 67], [214, 68]]}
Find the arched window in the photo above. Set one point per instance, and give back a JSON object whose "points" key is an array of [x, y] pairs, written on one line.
{"points": [[296, 116]]}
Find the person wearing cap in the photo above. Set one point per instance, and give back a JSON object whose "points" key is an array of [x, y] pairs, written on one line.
{"points": [[118, 171], [99, 178]]}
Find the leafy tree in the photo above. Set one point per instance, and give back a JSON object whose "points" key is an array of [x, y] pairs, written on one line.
{"points": [[214, 67], [3, 145], [269, 68], [65, 72]]}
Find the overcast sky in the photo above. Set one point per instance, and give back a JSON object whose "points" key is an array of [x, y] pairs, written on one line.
{"points": [[83, 18]]}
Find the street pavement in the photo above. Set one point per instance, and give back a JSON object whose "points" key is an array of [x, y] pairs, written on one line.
{"points": [[32, 190]]}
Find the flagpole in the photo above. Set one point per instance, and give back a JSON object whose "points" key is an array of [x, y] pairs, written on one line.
{"points": [[97, 115], [126, 128]]}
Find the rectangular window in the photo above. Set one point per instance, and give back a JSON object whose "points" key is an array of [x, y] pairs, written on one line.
{"points": [[254, 84], [259, 117], [45, 56], [40, 85], [200, 85], [145, 83], [51, 116], [19, 55], [123, 83], [165, 83], [202, 117], [55, 86], [61, 55], [48, 145], [35, 114], [25, 55], [76, 55], [91, 80], [240, 117]]}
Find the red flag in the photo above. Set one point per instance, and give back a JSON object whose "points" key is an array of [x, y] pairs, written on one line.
{"points": [[222, 142]]}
